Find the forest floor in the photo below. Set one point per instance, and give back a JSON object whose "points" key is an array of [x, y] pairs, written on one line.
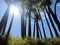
{"points": [[32, 41]]}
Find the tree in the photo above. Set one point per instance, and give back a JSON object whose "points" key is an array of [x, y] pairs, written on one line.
{"points": [[48, 24], [23, 22], [29, 4], [36, 23], [40, 32], [36, 20], [34, 30], [46, 4], [4, 21], [42, 24], [56, 33], [53, 14], [29, 25], [8, 32], [56, 20]]}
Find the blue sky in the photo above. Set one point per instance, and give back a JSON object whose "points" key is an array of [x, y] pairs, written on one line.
{"points": [[16, 27]]}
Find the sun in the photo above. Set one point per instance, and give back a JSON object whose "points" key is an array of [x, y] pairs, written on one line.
{"points": [[14, 10]]}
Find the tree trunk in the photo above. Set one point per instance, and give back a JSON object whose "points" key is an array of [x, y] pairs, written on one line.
{"points": [[4, 20], [34, 30], [48, 25], [40, 32], [24, 27], [42, 25], [29, 25], [43, 29], [23, 23], [56, 33], [54, 16], [37, 31], [9, 29], [8, 32]]}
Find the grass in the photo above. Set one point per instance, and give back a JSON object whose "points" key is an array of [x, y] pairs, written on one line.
{"points": [[32, 41]]}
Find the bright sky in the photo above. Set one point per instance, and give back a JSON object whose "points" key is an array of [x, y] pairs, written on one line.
{"points": [[16, 27]]}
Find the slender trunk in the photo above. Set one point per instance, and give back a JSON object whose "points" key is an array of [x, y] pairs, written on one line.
{"points": [[55, 8], [43, 29], [48, 25], [40, 32], [4, 27], [58, 23], [34, 30], [42, 25], [9, 29], [54, 16], [29, 25], [4, 20], [23, 28], [37, 31], [8, 32], [56, 33]]}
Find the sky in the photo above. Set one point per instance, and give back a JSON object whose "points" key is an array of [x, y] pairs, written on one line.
{"points": [[16, 26]]}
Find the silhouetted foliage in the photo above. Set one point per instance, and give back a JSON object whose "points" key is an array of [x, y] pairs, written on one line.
{"points": [[35, 7]]}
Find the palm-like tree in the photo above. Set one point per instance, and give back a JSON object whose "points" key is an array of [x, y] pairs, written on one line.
{"points": [[8, 32], [29, 5], [50, 13], [4, 21], [54, 17], [29, 27], [36, 20], [56, 33], [34, 30], [3, 24], [37, 29], [9, 29], [23, 22], [40, 32], [57, 22], [42, 6], [53, 14], [42, 24], [48, 24]]}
